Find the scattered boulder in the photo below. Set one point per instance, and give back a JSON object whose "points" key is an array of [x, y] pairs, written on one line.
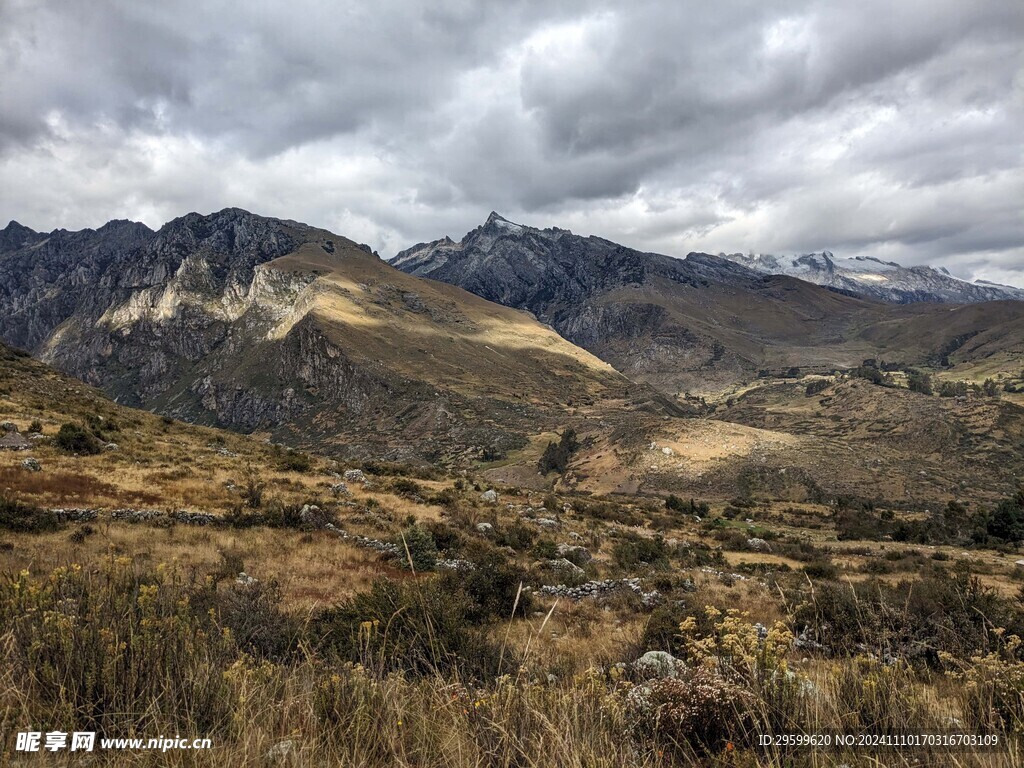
{"points": [[575, 554], [32, 465], [490, 496], [658, 664], [565, 566], [8, 426], [355, 476], [484, 527], [340, 489], [758, 545], [281, 750], [312, 515]]}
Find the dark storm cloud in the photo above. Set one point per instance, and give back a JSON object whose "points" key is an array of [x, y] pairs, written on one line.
{"points": [[869, 128]]}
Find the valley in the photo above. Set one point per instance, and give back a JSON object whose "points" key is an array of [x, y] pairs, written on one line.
{"points": [[262, 442]]}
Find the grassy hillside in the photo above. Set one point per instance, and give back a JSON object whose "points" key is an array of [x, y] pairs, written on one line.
{"points": [[397, 616]]}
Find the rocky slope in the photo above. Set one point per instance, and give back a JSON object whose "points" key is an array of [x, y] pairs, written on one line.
{"points": [[698, 323], [876, 279], [266, 325]]}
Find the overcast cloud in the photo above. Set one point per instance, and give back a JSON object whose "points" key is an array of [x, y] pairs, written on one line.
{"points": [[888, 128]]}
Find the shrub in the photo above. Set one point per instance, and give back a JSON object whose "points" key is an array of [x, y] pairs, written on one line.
{"points": [[919, 382], [516, 535], [295, 461], [821, 569], [72, 438], [556, 456], [545, 549], [690, 507], [135, 650], [251, 610], [36, 426], [417, 545], [446, 497], [491, 587], [633, 549], [816, 386], [701, 711], [953, 389], [409, 489], [19, 517], [994, 688], [446, 538], [418, 628], [1006, 521], [915, 620]]}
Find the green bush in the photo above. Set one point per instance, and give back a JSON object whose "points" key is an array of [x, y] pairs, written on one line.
{"points": [[690, 507], [557, 455], [816, 386], [821, 569], [919, 382], [295, 461], [516, 535], [491, 586], [414, 627], [415, 544], [25, 518], [73, 438], [406, 488], [632, 550]]}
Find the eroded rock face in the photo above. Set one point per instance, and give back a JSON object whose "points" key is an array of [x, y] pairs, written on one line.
{"points": [[259, 324]]}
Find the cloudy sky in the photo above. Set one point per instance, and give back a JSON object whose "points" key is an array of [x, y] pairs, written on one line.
{"points": [[889, 128]]}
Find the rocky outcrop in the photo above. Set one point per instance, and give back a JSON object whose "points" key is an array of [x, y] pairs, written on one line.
{"points": [[252, 323]]}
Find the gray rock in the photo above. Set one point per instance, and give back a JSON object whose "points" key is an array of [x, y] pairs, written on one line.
{"points": [[576, 554], [355, 476], [658, 664], [281, 750], [484, 527], [490, 496], [32, 465], [565, 566]]}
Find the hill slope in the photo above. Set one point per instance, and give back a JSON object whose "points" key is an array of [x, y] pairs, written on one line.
{"points": [[697, 323], [260, 324]]}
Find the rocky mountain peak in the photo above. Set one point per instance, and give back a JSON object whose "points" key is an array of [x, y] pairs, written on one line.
{"points": [[16, 235]]}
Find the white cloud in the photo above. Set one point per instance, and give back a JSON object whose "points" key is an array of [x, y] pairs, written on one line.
{"points": [[869, 129]]}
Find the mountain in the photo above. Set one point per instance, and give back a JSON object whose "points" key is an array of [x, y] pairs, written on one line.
{"points": [[701, 323], [273, 326], [876, 279]]}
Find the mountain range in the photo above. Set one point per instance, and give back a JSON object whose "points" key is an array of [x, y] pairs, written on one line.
{"points": [[261, 324], [485, 349], [703, 322], [876, 279]]}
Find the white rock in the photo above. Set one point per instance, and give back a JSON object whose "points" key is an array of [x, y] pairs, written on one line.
{"points": [[659, 664]]}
